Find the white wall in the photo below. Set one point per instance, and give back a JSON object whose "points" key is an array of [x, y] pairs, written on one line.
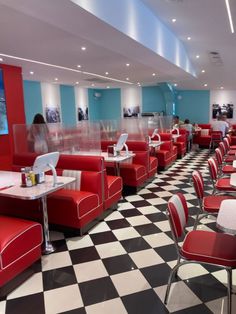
{"points": [[81, 99], [223, 97], [130, 97], [50, 96]]}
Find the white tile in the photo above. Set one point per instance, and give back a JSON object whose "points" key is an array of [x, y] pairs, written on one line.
{"points": [[169, 188], [174, 182], [191, 270], [32, 285], [124, 206], [110, 249], [180, 296], [221, 275], [100, 227], [164, 194], [151, 185], [138, 220], [56, 260], [148, 210], [90, 270], [143, 191], [130, 282], [158, 239], [79, 242], [146, 258], [219, 306], [133, 198], [62, 299], [114, 306], [2, 306], [163, 225], [113, 216], [156, 201], [189, 190], [190, 197], [126, 233]]}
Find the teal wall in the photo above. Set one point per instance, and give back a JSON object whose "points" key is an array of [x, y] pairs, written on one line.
{"points": [[68, 112], [110, 104], [94, 105], [152, 99], [193, 105], [32, 100]]}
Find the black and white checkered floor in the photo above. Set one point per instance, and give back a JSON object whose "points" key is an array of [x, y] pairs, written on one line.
{"points": [[122, 265]]}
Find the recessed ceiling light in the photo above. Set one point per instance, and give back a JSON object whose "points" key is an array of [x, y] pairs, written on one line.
{"points": [[78, 66], [153, 74], [106, 73], [175, 85], [203, 71], [92, 84], [127, 78], [56, 79], [1, 59], [108, 86], [76, 83], [83, 48], [173, 20], [127, 64], [188, 38], [205, 85], [197, 56], [31, 72], [222, 87]]}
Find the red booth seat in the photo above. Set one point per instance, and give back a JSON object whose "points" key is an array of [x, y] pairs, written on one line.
{"points": [[167, 152], [203, 137], [20, 246]]}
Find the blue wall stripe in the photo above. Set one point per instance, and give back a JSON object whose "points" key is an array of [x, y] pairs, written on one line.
{"points": [[32, 100], [152, 99], [68, 111]]}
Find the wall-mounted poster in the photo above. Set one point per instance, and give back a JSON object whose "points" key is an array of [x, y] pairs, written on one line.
{"points": [[131, 111], [82, 113], [52, 114], [3, 108], [222, 109]]}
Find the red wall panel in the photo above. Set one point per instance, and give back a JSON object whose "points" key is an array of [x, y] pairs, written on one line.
{"points": [[13, 85]]}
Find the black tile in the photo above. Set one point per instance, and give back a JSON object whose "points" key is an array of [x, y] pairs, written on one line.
{"points": [[59, 277], [161, 207], [148, 196], [140, 203], [84, 255], [157, 189], [97, 290], [206, 287], [103, 237], [118, 223], [60, 245], [29, 304], [157, 275], [145, 302], [147, 229], [130, 212], [136, 244], [155, 217], [198, 309], [119, 264], [168, 252]]}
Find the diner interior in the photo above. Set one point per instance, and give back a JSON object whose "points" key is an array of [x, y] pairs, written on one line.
{"points": [[117, 156]]}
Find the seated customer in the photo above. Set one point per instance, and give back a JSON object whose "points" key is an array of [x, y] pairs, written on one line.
{"points": [[176, 122], [220, 125]]}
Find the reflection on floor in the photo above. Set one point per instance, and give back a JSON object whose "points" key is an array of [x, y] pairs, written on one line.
{"points": [[122, 265]]}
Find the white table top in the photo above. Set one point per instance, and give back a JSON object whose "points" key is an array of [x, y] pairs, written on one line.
{"points": [[234, 163], [233, 179], [10, 185], [122, 157], [226, 219], [175, 135], [155, 143]]}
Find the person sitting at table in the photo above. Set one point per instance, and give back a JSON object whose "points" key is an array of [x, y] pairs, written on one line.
{"points": [[38, 135], [177, 122], [220, 125]]}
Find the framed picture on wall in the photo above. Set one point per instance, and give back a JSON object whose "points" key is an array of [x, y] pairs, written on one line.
{"points": [[3, 108], [222, 109], [131, 111], [52, 114], [82, 113]]}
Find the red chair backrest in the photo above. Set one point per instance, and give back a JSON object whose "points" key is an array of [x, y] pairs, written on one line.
{"points": [[226, 142], [216, 135], [219, 156], [198, 183], [213, 168], [178, 214], [222, 148]]}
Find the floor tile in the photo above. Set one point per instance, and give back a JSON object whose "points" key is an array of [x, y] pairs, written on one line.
{"points": [[138, 220], [56, 260], [110, 249], [90, 270], [146, 258], [114, 306], [126, 233], [119, 264], [83, 255], [33, 303], [79, 242], [137, 244], [103, 237], [59, 277], [158, 239], [147, 229]]}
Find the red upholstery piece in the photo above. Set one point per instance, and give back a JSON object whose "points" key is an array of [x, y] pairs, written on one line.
{"points": [[210, 247], [113, 190], [152, 166], [133, 174], [167, 152], [203, 140], [20, 246], [212, 203]]}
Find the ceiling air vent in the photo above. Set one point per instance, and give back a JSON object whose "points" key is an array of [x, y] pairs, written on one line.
{"points": [[97, 80], [215, 58]]}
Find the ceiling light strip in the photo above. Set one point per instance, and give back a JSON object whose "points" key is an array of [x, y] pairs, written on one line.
{"points": [[64, 68], [229, 15]]}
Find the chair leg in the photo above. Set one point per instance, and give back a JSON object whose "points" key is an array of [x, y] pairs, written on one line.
{"points": [[170, 280], [229, 286]]}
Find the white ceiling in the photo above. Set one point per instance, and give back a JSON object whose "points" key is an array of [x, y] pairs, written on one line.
{"points": [[53, 32]]}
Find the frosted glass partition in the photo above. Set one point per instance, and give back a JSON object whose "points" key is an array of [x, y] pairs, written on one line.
{"points": [[162, 123], [43, 138], [137, 129]]}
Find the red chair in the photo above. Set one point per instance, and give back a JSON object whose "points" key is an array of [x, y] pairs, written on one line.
{"points": [[209, 204], [204, 247], [229, 150], [216, 138], [219, 184], [224, 168], [223, 148]]}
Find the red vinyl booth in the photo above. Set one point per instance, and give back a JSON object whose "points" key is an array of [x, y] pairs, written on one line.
{"points": [[20, 247], [203, 137], [167, 152]]}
